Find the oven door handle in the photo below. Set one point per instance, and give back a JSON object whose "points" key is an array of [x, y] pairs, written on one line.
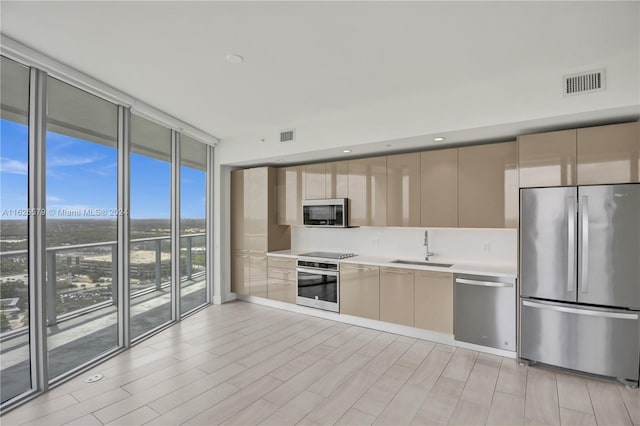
{"points": [[318, 272]]}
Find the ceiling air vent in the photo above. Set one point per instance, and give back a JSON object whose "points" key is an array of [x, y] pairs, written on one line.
{"points": [[583, 82], [288, 135]]}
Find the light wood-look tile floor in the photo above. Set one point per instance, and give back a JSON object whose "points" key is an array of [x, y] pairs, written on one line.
{"points": [[245, 364]]}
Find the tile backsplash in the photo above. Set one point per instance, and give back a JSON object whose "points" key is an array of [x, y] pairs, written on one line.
{"points": [[490, 246]]}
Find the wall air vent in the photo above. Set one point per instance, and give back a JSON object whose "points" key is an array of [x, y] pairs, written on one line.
{"points": [[288, 135], [583, 82]]}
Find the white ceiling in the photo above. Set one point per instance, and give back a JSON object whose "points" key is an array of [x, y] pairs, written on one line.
{"points": [[308, 60]]}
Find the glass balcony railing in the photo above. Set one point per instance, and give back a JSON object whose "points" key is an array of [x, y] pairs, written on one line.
{"points": [[83, 278]]}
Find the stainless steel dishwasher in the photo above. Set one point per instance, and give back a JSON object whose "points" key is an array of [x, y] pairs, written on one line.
{"points": [[485, 311]]}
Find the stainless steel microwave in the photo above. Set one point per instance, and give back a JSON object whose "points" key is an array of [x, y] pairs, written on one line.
{"points": [[329, 213]]}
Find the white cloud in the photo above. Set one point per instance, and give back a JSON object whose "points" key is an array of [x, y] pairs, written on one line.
{"points": [[53, 199], [9, 165], [73, 161]]}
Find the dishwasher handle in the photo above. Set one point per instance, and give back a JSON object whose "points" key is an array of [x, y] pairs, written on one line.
{"points": [[483, 283]]}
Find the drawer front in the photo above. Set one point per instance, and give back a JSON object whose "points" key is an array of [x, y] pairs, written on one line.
{"points": [[358, 267], [596, 341], [281, 290], [282, 274], [434, 274], [281, 262]]}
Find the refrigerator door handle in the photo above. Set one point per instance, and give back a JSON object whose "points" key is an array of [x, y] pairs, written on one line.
{"points": [[602, 314], [571, 244], [584, 272]]}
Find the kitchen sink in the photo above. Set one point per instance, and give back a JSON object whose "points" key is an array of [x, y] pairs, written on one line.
{"points": [[422, 263]]}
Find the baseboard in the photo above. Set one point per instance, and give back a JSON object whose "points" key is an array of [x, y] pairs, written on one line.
{"points": [[486, 349], [230, 297], [403, 330]]}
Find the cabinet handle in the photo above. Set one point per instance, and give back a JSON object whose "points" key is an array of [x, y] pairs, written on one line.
{"points": [[391, 271], [359, 268]]}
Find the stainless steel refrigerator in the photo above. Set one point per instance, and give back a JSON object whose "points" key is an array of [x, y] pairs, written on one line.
{"points": [[580, 278]]}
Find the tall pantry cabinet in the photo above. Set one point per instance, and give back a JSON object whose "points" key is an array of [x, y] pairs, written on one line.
{"points": [[254, 229]]}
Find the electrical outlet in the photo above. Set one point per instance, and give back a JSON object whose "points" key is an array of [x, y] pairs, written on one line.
{"points": [[375, 242], [486, 247]]}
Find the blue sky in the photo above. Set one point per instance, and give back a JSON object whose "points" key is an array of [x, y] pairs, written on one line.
{"points": [[83, 175]]}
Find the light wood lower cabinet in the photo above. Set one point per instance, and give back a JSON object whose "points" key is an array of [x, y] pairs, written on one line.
{"points": [[281, 279], [240, 272], [281, 290], [258, 274], [396, 295], [360, 291], [433, 302]]}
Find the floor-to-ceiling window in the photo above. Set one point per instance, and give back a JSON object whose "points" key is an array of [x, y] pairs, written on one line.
{"points": [[98, 266], [193, 184], [150, 226], [15, 377], [81, 227]]}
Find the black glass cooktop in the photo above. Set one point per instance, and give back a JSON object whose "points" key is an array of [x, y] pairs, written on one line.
{"points": [[327, 255]]}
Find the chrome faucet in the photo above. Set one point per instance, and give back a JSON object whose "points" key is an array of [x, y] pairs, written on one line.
{"points": [[427, 253]]}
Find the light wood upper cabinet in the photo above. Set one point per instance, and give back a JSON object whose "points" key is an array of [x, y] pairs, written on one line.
{"points": [[434, 301], [397, 295], [547, 159], [609, 154], [488, 186], [403, 190], [237, 210], [368, 192], [337, 179], [314, 181], [360, 290], [289, 194], [439, 188], [257, 202]]}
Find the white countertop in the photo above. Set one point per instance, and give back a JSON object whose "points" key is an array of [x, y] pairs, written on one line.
{"points": [[457, 268], [292, 254]]}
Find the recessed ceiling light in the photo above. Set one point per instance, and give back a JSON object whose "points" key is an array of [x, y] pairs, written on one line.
{"points": [[232, 58], [388, 145], [438, 139], [346, 151]]}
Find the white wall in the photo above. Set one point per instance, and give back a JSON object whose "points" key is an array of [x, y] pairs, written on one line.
{"points": [[489, 246]]}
